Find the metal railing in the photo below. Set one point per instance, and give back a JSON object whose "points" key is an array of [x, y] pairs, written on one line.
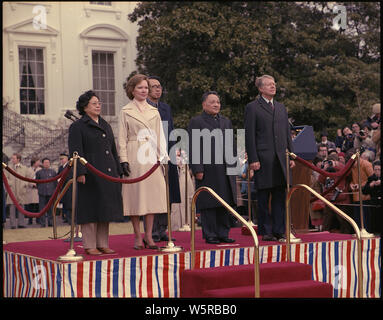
{"points": [[339, 213], [358, 232], [36, 138], [236, 215]]}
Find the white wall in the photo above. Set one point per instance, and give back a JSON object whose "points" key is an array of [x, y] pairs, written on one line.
{"points": [[73, 30]]}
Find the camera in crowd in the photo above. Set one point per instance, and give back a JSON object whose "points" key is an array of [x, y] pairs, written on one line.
{"points": [[330, 165], [350, 136], [328, 183]]}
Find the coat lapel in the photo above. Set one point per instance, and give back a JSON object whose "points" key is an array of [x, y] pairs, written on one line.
{"points": [[132, 111], [92, 123], [210, 121], [265, 106]]}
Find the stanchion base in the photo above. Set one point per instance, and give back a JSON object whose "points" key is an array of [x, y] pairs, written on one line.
{"points": [[185, 227], [293, 239], [364, 234], [76, 239], [70, 256], [171, 247]]}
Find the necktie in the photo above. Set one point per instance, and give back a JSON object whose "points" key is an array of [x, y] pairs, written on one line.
{"points": [[271, 106]]}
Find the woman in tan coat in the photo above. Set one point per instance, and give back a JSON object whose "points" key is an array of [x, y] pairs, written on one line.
{"points": [[142, 143]]}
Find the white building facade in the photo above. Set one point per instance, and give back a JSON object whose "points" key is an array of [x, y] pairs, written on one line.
{"points": [[55, 51]]}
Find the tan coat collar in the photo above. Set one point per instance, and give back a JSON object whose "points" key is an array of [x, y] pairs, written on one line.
{"points": [[132, 111]]}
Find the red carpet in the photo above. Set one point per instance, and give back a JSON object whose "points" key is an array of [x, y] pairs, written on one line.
{"points": [[277, 280], [123, 244]]}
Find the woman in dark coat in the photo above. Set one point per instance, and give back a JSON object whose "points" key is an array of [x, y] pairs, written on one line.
{"points": [[99, 200]]}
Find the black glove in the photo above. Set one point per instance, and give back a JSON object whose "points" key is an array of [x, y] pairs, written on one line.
{"points": [[125, 168]]}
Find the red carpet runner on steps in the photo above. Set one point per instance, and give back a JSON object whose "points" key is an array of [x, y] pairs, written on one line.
{"points": [[278, 280]]}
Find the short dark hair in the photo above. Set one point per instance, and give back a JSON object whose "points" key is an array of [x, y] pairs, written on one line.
{"points": [[18, 156], [376, 163], [33, 160], [155, 78], [208, 93], [46, 158], [83, 101]]}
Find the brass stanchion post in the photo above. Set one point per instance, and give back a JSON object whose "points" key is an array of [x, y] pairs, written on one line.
{"points": [[249, 196], [290, 238], [186, 226], [363, 232], [71, 254], [171, 247]]}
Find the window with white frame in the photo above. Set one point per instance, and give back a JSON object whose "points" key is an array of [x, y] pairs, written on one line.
{"points": [[104, 80], [31, 72]]}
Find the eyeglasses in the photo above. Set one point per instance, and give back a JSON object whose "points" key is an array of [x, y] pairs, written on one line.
{"points": [[96, 103], [156, 86]]}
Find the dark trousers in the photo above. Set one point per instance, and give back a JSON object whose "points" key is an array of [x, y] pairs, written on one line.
{"points": [[160, 224], [271, 222], [43, 200], [366, 215], [215, 223]]}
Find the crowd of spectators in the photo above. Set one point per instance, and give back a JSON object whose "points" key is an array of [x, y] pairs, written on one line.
{"points": [[332, 157], [33, 197]]}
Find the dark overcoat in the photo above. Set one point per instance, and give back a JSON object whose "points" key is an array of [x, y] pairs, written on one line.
{"points": [[267, 136], [174, 186], [99, 200], [215, 174]]}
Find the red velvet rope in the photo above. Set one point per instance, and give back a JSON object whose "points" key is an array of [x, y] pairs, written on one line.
{"points": [[67, 168], [127, 181], [341, 173], [332, 188], [47, 206]]}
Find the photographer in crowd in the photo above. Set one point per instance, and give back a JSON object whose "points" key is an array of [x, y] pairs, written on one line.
{"points": [[363, 141], [365, 172], [339, 196], [348, 139]]}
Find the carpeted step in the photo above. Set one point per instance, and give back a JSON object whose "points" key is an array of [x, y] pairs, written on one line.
{"points": [[193, 282], [293, 289]]}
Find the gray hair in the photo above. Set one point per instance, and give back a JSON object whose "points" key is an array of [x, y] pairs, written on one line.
{"points": [[259, 80]]}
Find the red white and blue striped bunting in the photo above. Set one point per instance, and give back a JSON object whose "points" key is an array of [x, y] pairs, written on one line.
{"points": [[158, 276]]}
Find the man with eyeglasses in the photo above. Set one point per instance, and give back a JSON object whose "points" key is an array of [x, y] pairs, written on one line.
{"points": [[161, 220]]}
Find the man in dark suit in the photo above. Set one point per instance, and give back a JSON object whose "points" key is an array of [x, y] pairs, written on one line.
{"points": [[66, 200], [46, 190], [160, 222], [210, 168], [267, 137]]}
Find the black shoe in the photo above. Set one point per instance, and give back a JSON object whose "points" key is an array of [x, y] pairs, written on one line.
{"points": [[280, 236], [166, 238], [269, 237], [156, 239], [226, 240], [212, 240]]}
